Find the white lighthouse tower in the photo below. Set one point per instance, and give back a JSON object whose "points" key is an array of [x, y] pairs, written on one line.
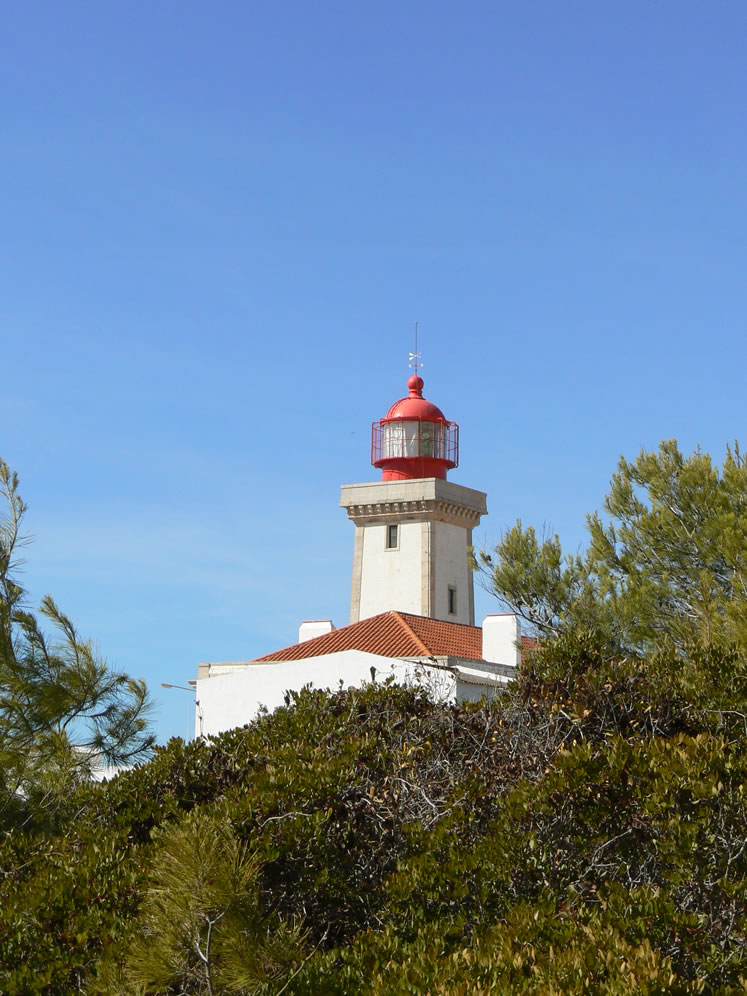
{"points": [[412, 615], [413, 528]]}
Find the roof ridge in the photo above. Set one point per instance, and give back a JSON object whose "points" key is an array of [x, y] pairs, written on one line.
{"points": [[392, 633], [411, 632], [314, 639], [324, 638]]}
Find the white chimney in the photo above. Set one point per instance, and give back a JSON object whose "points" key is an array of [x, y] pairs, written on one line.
{"points": [[501, 639], [314, 627]]}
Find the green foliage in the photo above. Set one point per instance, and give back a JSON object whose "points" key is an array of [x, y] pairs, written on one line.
{"points": [[668, 569], [61, 708], [585, 833], [675, 552], [202, 926], [534, 950]]}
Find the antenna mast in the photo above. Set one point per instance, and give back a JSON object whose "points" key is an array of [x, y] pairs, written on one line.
{"points": [[414, 357]]}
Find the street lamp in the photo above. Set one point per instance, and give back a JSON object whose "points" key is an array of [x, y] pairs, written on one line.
{"points": [[187, 688]]}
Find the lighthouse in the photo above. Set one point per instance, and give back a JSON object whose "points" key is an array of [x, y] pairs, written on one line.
{"points": [[413, 528], [412, 614]]}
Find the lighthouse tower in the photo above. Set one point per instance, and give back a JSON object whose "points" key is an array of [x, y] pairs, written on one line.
{"points": [[413, 528]]}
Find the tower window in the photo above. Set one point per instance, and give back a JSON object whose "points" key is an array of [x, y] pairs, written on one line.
{"points": [[392, 537], [452, 601]]}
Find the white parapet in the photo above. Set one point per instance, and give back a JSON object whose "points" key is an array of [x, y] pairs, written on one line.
{"points": [[501, 639], [311, 628]]}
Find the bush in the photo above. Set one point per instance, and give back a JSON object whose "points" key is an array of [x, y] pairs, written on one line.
{"points": [[584, 833]]}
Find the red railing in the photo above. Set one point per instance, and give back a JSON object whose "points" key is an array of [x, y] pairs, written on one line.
{"points": [[404, 439]]}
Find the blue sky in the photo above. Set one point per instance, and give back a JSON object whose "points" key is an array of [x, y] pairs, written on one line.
{"points": [[220, 221]]}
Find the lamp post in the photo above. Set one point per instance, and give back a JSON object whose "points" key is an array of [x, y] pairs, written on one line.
{"points": [[186, 688]]}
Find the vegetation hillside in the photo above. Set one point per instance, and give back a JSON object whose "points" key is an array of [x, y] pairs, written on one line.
{"points": [[586, 833]]}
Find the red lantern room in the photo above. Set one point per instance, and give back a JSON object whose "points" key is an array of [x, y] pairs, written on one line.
{"points": [[414, 439]]}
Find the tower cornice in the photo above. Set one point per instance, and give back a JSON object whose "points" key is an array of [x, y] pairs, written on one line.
{"points": [[413, 500]]}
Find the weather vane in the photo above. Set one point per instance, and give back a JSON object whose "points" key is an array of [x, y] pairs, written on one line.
{"points": [[415, 357]]}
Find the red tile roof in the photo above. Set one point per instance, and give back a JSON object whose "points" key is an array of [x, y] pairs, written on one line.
{"points": [[393, 634]]}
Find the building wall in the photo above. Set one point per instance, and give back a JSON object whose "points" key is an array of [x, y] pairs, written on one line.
{"points": [[450, 565], [467, 691], [392, 579], [229, 699], [415, 577], [435, 519]]}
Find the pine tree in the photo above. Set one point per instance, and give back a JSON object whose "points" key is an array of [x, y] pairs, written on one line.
{"points": [[202, 929], [666, 565], [62, 709]]}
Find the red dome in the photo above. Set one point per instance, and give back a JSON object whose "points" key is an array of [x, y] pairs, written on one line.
{"points": [[414, 439], [415, 405]]}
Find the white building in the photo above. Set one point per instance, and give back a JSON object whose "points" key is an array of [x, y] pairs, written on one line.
{"points": [[412, 612]]}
